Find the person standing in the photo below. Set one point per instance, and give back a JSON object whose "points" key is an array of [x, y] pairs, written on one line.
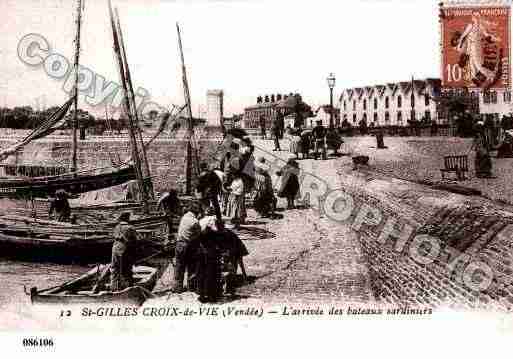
{"points": [[281, 125], [123, 254], [189, 231], [275, 130], [483, 161], [262, 127], [170, 205], [264, 201], [208, 190], [235, 209], [60, 205], [209, 271], [319, 138], [289, 183], [305, 144], [295, 141]]}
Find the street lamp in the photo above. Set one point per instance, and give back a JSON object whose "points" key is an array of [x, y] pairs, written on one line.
{"points": [[331, 85]]}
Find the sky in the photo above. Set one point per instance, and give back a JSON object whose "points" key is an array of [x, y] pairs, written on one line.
{"points": [[246, 48]]}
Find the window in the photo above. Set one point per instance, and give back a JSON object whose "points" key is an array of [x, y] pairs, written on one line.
{"points": [[387, 102], [354, 105], [344, 105], [427, 115], [354, 118], [486, 97], [399, 117], [507, 96], [413, 115], [399, 101], [493, 96], [375, 103], [426, 100], [387, 118], [364, 105], [376, 118]]}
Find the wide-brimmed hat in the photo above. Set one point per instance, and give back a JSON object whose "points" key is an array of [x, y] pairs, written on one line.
{"points": [[210, 212], [124, 217], [61, 193]]}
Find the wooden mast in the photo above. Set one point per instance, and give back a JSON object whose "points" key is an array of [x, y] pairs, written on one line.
{"points": [[126, 103], [190, 131], [75, 104], [145, 166]]}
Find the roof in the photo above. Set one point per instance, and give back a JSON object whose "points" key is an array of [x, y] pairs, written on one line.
{"points": [[405, 86]]}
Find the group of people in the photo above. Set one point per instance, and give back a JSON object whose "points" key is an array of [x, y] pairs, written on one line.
{"points": [[205, 249], [225, 189], [319, 138]]}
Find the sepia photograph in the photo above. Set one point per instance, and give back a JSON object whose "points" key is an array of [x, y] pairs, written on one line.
{"points": [[312, 171]]}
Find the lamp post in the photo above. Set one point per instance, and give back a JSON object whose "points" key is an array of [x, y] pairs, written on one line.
{"points": [[331, 85]]}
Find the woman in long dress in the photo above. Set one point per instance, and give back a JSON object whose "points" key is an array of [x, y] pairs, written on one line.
{"points": [[236, 207], [264, 201], [483, 161], [289, 183], [295, 142]]}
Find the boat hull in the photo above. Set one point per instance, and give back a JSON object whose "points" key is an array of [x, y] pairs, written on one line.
{"points": [[132, 296], [46, 241], [42, 187]]}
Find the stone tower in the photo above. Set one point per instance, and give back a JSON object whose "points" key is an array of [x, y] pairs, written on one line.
{"points": [[214, 114]]}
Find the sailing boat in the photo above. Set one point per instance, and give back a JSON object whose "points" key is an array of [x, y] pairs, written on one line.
{"points": [[73, 182], [65, 241]]}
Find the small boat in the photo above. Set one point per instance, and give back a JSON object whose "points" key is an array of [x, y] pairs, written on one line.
{"points": [[33, 239], [81, 290], [73, 183]]}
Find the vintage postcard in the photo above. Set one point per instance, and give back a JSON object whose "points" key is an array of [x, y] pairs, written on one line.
{"points": [[312, 171]]}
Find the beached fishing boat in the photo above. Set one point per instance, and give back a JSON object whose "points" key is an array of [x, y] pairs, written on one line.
{"points": [[84, 290], [33, 239], [41, 187], [87, 239]]}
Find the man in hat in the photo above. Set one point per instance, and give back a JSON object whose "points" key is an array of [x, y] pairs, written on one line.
{"points": [[169, 203], [262, 127], [123, 254], [209, 189], [60, 205], [188, 235], [319, 138], [275, 130]]}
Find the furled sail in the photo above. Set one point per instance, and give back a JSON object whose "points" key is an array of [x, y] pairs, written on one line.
{"points": [[55, 121]]}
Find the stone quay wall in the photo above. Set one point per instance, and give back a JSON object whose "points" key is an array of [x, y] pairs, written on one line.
{"points": [[167, 157]]}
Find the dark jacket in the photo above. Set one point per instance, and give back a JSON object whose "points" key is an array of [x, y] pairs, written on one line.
{"points": [[290, 181], [61, 208], [209, 184], [319, 132]]}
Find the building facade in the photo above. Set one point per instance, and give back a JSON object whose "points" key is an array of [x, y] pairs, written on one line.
{"points": [[265, 107], [393, 104], [214, 114], [323, 113], [496, 103]]}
